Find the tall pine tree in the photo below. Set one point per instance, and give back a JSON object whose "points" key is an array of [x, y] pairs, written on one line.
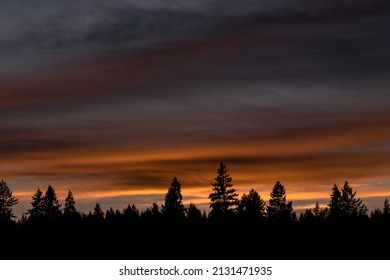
{"points": [[7, 201], [36, 211], [224, 197], [173, 206], [51, 204], [350, 205], [70, 208], [335, 203]]}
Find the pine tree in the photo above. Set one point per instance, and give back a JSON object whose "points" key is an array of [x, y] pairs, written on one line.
{"points": [[376, 214], [173, 206], [319, 213], [98, 213], [70, 209], [315, 214], [386, 208], [350, 205], [131, 213], [118, 213], [278, 208], [316, 210], [110, 214], [307, 216], [335, 203], [155, 210], [193, 214], [151, 214], [7, 201], [251, 205], [37, 206], [224, 196], [51, 205]]}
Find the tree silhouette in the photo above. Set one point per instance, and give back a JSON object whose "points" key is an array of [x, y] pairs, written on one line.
{"points": [[37, 209], [251, 205], [335, 203], [193, 214], [152, 212], [131, 213], [307, 216], [278, 208], [110, 214], [224, 197], [316, 214], [7, 201], [316, 210], [70, 209], [320, 213], [98, 214], [350, 205], [155, 210], [173, 206], [381, 214], [51, 206], [376, 214], [386, 208], [136, 233]]}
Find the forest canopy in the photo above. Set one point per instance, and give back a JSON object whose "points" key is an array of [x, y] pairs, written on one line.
{"points": [[271, 225]]}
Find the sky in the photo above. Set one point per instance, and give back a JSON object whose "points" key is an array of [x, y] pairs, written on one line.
{"points": [[113, 99]]}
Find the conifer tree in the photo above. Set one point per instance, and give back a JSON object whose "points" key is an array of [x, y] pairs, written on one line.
{"points": [[386, 208], [224, 197], [173, 206], [376, 214], [155, 210], [316, 209], [350, 205], [70, 209], [193, 214], [110, 214], [51, 206], [131, 212], [152, 213], [320, 213], [307, 216], [37, 210], [251, 205], [98, 213], [278, 208], [335, 203], [7, 201], [315, 214]]}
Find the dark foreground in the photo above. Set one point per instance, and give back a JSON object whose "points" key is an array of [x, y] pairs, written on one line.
{"points": [[231, 239]]}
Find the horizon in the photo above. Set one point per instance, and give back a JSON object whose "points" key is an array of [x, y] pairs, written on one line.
{"points": [[202, 203]]}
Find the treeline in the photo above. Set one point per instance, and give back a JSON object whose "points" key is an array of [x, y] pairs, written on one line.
{"points": [[233, 228]]}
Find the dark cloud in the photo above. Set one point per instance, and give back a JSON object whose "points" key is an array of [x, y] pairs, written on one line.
{"points": [[348, 56], [48, 24]]}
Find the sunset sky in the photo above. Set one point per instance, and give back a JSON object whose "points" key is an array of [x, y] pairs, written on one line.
{"points": [[112, 99]]}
